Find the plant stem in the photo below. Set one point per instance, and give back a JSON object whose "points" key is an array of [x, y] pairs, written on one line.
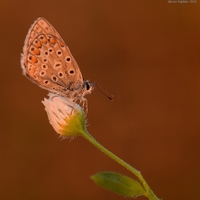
{"points": [[149, 193]]}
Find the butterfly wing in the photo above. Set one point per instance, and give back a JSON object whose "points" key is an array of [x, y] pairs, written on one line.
{"points": [[47, 61]]}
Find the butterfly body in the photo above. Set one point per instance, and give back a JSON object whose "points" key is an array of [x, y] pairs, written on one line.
{"points": [[48, 62]]}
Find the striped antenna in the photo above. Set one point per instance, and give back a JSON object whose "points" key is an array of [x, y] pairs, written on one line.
{"points": [[103, 91]]}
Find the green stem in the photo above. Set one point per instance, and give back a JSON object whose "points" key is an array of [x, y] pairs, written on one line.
{"points": [[149, 193]]}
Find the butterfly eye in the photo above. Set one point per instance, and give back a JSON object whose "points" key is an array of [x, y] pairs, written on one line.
{"points": [[87, 86], [46, 52], [45, 60]]}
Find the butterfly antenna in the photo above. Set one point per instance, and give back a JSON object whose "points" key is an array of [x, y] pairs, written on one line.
{"points": [[103, 91]]}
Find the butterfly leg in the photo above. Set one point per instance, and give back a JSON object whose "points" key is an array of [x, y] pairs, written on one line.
{"points": [[82, 102]]}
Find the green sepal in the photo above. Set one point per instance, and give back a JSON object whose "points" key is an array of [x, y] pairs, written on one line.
{"points": [[119, 184], [75, 124]]}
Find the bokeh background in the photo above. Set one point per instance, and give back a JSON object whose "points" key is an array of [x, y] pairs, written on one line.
{"points": [[147, 53]]}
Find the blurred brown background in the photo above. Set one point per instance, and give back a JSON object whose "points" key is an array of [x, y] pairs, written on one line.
{"points": [[148, 55]]}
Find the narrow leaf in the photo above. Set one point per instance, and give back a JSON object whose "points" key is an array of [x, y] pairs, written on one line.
{"points": [[119, 184]]}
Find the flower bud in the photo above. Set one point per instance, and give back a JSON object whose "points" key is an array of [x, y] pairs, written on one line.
{"points": [[66, 116]]}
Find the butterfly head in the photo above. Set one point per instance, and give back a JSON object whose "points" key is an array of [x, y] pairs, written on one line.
{"points": [[88, 87]]}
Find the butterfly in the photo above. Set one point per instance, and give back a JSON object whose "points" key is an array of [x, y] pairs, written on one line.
{"points": [[47, 61]]}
